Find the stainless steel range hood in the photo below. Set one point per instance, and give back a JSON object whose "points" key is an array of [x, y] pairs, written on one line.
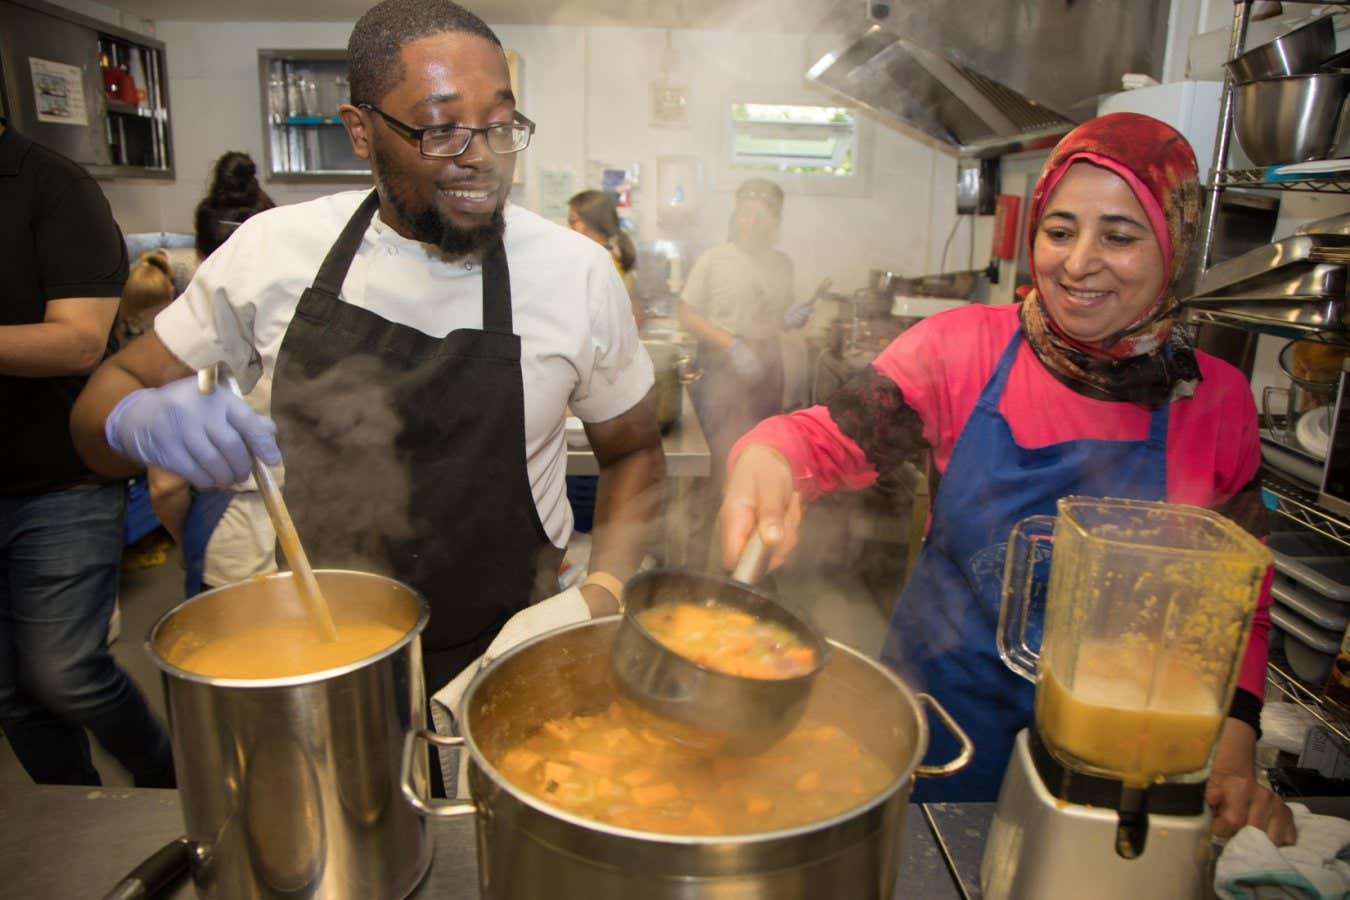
{"points": [[980, 78]]}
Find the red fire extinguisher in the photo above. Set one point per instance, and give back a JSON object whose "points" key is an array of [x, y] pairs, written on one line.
{"points": [[1006, 210]]}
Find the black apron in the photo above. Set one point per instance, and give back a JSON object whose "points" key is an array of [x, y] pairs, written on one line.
{"points": [[405, 455]]}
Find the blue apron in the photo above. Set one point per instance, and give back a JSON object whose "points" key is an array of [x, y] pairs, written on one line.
{"points": [[941, 635], [203, 515]]}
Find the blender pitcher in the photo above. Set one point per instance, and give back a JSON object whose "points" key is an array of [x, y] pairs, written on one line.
{"points": [[1146, 619]]}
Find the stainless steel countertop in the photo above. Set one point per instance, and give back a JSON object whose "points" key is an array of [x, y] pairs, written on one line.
{"points": [[686, 448], [78, 842]]}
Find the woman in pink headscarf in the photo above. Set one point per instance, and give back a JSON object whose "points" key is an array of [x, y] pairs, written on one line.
{"points": [[1086, 387]]}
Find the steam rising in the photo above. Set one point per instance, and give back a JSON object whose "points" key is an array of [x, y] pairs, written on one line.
{"points": [[358, 434]]}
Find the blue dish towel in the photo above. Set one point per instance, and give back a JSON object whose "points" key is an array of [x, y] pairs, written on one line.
{"points": [[1316, 866]]}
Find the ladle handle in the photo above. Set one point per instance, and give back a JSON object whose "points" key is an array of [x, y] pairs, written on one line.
{"points": [[1019, 571], [752, 555], [291, 548]]}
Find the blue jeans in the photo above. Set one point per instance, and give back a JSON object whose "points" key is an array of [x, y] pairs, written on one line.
{"points": [[59, 560]]}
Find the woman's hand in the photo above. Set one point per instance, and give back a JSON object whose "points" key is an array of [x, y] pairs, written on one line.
{"points": [[760, 495], [1236, 797]]}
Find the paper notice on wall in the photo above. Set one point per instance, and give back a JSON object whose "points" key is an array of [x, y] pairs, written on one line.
{"points": [[555, 189], [58, 92]]}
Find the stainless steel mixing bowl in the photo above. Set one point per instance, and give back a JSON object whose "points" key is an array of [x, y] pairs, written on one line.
{"points": [[1297, 52], [1291, 119]]}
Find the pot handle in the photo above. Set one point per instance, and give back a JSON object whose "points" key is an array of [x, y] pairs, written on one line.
{"points": [[158, 873], [425, 805], [951, 767]]}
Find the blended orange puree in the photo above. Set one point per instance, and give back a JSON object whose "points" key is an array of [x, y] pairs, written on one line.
{"points": [[281, 649], [1110, 722]]}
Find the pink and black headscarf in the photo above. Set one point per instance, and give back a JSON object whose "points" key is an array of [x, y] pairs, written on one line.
{"points": [[1150, 361]]}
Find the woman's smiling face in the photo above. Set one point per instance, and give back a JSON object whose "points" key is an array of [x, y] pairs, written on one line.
{"points": [[1098, 265]]}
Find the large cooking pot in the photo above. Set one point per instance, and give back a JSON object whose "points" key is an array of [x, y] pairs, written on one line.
{"points": [[291, 786], [529, 849]]}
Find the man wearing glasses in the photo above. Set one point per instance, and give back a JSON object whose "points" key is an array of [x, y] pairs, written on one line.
{"points": [[425, 340]]}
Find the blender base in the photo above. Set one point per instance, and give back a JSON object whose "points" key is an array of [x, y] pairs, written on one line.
{"points": [[1043, 848]]}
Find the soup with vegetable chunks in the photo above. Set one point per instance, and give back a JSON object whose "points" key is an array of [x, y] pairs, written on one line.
{"points": [[729, 640], [610, 768]]}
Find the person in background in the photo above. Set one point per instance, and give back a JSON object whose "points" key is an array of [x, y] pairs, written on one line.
{"points": [[63, 268], [425, 340], [737, 302], [1087, 387], [233, 196], [593, 214], [149, 289]]}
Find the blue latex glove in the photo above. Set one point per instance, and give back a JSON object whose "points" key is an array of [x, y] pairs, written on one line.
{"points": [[744, 361], [798, 315], [205, 438]]}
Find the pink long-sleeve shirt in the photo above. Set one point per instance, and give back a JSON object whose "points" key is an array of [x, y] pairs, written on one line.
{"points": [[942, 364]]}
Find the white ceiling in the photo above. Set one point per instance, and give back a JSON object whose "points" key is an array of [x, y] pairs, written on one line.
{"points": [[758, 15]]}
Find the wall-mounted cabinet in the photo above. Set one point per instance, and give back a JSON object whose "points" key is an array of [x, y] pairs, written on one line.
{"points": [[87, 89], [304, 137]]}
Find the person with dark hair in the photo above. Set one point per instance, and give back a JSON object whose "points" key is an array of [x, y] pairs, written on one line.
{"points": [[63, 268], [233, 196], [593, 214], [425, 341]]}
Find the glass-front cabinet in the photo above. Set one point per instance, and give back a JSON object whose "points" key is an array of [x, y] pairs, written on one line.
{"points": [[136, 104], [304, 137], [89, 90]]}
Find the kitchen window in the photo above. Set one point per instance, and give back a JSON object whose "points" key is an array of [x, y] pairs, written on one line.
{"points": [[806, 146], [781, 137]]}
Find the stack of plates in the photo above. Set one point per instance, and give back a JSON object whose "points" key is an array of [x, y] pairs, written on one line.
{"points": [[1312, 600]]}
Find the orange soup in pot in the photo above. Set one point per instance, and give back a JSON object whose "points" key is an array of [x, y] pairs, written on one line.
{"points": [[611, 768]]}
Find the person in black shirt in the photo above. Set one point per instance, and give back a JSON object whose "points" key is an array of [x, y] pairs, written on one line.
{"points": [[60, 525]]}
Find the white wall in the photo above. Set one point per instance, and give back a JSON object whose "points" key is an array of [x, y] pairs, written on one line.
{"points": [[588, 89]]}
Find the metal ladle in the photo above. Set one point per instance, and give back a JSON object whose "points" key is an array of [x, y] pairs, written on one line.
{"points": [[696, 705], [281, 520]]}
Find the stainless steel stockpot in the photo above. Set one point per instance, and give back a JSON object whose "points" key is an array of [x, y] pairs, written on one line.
{"points": [[529, 849], [291, 786]]}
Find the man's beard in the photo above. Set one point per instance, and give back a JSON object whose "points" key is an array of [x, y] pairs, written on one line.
{"points": [[428, 226]]}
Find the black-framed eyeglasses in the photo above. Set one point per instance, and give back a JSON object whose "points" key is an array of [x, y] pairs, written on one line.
{"points": [[445, 141]]}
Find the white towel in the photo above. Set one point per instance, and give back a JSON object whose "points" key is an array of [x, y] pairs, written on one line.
{"points": [[557, 611], [1251, 867]]}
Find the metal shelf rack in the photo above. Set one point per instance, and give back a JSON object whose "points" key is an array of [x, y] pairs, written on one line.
{"points": [[1329, 716], [1300, 505], [1286, 498], [1266, 180], [1196, 315]]}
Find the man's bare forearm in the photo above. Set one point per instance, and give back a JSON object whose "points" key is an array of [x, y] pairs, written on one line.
{"points": [[146, 362], [627, 509], [48, 350], [627, 506]]}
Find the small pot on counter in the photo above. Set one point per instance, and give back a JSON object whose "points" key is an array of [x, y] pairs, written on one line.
{"points": [[528, 848], [673, 355]]}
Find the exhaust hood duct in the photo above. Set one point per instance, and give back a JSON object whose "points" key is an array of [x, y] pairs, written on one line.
{"points": [[935, 99], [980, 78]]}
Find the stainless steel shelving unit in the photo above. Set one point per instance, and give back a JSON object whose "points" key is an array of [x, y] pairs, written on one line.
{"points": [[1286, 498]]}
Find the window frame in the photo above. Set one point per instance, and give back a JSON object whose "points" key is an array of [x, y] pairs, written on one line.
{"points": [[726, 175]]}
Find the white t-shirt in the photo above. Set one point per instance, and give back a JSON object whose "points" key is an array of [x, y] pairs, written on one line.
{"points": [[740, 293], [579, 343]]}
